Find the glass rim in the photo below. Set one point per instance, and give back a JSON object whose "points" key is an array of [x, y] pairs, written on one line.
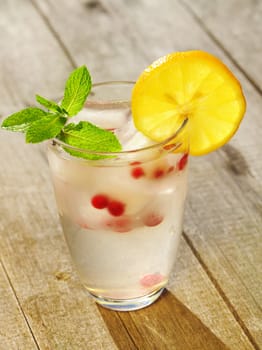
{"points": [[56, 141], [113, 82]]}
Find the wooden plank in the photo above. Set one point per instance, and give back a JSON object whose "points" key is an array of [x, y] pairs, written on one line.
{"points": [[181, 329], [33, 251], [138, 39], [236, 26], [191, 284], [152, 35], [28, 64], [237, 232], [33, 306], [97, 40], [14, 331], [228, 240], [36, 258], [55, 305], [191, 296]]}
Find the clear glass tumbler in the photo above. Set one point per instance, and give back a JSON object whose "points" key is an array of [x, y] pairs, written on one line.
{"points": [[121, 215]]}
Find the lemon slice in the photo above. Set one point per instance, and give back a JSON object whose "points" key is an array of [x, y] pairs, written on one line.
{"points": [[194, 85]]}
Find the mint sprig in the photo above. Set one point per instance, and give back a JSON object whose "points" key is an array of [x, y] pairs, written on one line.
{"points": [[50, 105], [40, 125], [88, 136], [77, 89], [45, 128], [21, 121]]}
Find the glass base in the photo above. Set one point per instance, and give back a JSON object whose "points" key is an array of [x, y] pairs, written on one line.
{"points": [[128, 304]]}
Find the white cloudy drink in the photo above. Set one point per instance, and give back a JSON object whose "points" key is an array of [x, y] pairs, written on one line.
{"points": [[121, 216]]}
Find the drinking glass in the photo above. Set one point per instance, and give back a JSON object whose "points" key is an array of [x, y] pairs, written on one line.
{"points": [[121, 213]]}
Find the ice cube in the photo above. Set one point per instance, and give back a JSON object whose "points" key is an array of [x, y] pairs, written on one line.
{"points": [[107, 119], [127, 131], [137, 141]]}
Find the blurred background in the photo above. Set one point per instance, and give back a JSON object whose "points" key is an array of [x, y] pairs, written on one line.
{"points": [[41, 40]]}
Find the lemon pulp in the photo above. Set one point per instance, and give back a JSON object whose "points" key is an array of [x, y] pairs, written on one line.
{"points": [[194, 85]]}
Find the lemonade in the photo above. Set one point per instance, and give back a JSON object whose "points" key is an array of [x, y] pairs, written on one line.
{"points": [[119, 167], [122, 216]]}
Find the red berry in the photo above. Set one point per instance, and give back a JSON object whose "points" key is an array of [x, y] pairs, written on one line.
{"points": [[158, 173], [122, 225], [137, 172], [151, 280], [182, 162], [100, 201], [116, 208], [153, 219]]}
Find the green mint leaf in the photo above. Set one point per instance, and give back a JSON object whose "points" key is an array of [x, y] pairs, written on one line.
{"points": [[50, 105], [21, 121], [77, 88], [45, 128], [87, 136]]}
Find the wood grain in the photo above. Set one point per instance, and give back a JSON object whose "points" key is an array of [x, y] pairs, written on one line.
{"points": [[215, 288], [192, 283], [33, 251], [204, 223], [31, 59], [182, 330], [192, 292], [236, 27], [35, 256], [14, 331], [233, 220], [95, 37]]}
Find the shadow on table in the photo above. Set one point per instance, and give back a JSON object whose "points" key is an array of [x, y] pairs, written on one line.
{"points": [[166, 324]]}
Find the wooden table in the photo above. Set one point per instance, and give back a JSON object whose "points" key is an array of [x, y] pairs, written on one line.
{"points": [[214, 296]]}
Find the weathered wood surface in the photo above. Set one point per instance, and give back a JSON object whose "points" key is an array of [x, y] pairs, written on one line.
{"points": [[236, 27], [14, 332], [214, 299]]}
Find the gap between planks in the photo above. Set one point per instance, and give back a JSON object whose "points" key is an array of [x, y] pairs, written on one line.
{"points": [[187, 239], [220, 45], [220, 291], [166, 324], [55, 34], [19, 304]]}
